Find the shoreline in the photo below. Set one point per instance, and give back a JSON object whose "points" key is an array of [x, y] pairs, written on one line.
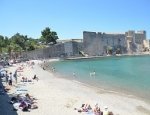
{"points": [[104, 88], [120, 55], [116, 95], [105, 91], [58, 95]]}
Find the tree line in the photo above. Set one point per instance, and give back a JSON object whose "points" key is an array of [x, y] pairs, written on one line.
{"points": [[19, 43]]}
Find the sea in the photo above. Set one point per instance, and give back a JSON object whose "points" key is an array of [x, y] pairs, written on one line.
{"points": [[129, 75]]}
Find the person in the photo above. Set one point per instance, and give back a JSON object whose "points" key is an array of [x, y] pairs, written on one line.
{"points": [[43, 68], [35, 78], [29, 99], [92, 74], [16, 99], [110, 113], [6, 77], [53, 69], [24, 106], [97, 110], [15, 76], [84, 108], [10, 79], [105, 112], [23, 79], [74, 74]]}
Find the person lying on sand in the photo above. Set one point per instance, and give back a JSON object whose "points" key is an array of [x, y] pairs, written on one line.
{"points": [[16, 99], [23, 102], [29, 98], [25, 79], [84, 108]]}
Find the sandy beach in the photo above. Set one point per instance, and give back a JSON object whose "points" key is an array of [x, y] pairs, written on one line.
{"points": [[57, 96]]}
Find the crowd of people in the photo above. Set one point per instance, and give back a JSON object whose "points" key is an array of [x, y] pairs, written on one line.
{"points": [[20, 100], [25, 103]]}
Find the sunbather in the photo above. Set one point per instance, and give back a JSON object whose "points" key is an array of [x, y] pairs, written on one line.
{"points": [[23, 103], [84, 108], [16, 99], [97, 110], [29, 99]]}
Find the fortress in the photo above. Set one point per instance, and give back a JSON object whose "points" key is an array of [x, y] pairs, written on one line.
{"points": [[96, 44]]}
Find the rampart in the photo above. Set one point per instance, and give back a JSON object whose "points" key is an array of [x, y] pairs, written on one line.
{"points": [[107, 43]]}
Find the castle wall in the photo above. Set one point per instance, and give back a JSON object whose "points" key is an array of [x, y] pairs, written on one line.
{"points": [[95, 44], [140, 36], [90, 43], [98, 43], [70, 48], [146, 44], [77, 47]]}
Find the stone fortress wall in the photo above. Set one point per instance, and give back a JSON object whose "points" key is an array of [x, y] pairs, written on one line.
{"points": [[95, 44], [66, 49]]}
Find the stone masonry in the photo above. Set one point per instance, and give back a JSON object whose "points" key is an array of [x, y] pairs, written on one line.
{"points": [[95, 44]]}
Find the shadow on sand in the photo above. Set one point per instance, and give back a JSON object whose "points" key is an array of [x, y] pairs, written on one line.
{"points": [[5, 107]]}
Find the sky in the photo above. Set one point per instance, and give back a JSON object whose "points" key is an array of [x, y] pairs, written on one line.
{"points": [[69, 18]]}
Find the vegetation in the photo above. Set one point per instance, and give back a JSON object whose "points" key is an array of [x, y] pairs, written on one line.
{"points": [[48, 36], [18, 43]]}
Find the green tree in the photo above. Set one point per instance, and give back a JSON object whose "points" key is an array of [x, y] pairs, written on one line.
{"points": [[49, 36], [2, 43], [9, 50], [7, 41], [19, 39], [30, 44]]}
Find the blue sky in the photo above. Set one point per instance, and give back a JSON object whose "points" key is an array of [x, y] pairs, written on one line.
{"points": [[69, 18]]}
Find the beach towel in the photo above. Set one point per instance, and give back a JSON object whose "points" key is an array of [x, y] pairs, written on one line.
{"points": [[21, 90]]}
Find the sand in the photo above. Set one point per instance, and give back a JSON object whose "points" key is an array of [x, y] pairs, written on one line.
{"points": [[59, 96]]}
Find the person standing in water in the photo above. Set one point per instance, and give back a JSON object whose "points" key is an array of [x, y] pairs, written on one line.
{"points": [[92, 74], [74, 75]]}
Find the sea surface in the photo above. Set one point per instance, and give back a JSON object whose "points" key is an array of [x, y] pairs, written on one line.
{"points": [[126, 74]]}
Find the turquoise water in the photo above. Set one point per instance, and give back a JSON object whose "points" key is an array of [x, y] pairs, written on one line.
{"points": [[128, 74]]}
